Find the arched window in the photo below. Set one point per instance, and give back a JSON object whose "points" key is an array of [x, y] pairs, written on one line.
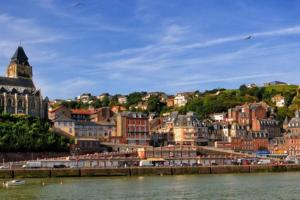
{"points": [[10, 102], [32, 104], [20, 103]]}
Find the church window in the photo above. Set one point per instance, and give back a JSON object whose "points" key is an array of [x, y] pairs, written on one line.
{"points": [[10, 102], [20, 103], [32, 104]]}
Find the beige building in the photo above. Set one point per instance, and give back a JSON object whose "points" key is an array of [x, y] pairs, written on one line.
{"points": [[187, 129], [76, 129]]}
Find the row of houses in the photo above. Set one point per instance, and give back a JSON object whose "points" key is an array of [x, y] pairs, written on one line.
{"points": [[290, 142], [247, 127], [251, 129], [87, 127], [180, 99]]}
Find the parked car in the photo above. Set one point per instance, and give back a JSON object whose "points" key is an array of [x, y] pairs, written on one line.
{"points": [[59, 166], [264, 162], [290, 162]]}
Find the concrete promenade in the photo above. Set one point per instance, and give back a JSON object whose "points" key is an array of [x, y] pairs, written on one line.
{"points": [[140, 171]]}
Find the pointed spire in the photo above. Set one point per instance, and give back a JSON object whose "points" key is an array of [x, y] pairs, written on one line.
{"points": [[286, 120], [297, 113], [20, 56]]}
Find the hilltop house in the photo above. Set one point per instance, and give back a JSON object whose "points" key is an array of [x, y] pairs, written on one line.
{"points": [[278, 100], [122, 99], [182, 98]]}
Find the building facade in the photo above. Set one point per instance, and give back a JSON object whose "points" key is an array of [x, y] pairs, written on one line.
{"points": [[278, 100], [180, 99], [294, 124], [77, 129], [122, 100], [133, 128]]}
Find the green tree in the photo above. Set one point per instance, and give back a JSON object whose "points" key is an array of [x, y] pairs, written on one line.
{"points": [[25, 133], [105, 101], [134, 98], [154, 104]]}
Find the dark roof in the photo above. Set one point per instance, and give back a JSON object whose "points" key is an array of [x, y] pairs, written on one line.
{"points": [[18, 82], [3, 90], [20, 56]]}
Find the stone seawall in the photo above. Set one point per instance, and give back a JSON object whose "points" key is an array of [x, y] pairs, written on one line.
{"points": [[140, 171]]}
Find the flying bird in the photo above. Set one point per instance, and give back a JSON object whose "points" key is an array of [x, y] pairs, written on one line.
{"points": [[78, 4], [248, 38]]}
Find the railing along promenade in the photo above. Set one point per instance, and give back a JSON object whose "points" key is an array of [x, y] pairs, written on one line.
{"points": [[141, 171]]}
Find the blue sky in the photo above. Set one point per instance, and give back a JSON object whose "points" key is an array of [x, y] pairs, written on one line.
{"points": [[121, 46]]}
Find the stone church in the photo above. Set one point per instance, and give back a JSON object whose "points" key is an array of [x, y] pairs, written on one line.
{"points": [[18, 94]]}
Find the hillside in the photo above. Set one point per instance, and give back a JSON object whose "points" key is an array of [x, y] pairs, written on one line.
{"points": [[208, 102]]}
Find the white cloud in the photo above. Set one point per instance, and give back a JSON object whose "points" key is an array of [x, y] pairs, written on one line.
{"points": [[164, 53], [174, 30], [224, 79], [25, 30], [173, 34]]}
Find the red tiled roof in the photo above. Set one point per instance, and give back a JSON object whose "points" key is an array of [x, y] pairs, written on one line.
{"points": [[82, 111]]}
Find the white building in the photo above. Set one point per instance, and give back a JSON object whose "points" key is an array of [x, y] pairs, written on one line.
{"points": [[180, 99], [122, 99], [219, 117], [85, 97], [278, 100]]}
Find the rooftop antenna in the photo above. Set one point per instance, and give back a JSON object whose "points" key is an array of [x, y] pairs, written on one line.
{"points": [[20, 42]]}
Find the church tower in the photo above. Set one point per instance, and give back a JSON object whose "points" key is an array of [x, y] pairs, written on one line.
{"points": [[18, 94], [19, 66]]}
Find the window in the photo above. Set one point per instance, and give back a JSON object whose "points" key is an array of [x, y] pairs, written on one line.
{"points": [[32, 104], [10, 102], [20, 103]]}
